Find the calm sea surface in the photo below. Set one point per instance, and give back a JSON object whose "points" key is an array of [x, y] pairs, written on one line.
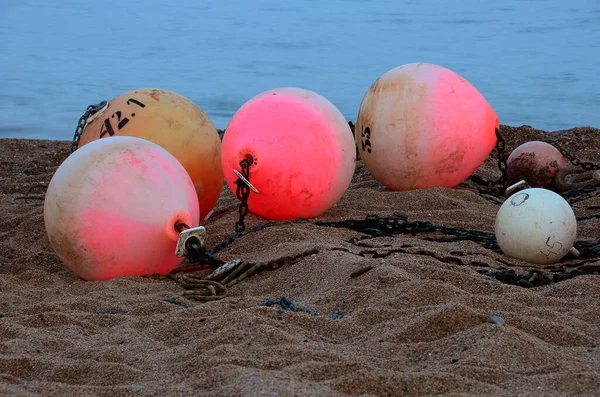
{"points": [[536, 61]]}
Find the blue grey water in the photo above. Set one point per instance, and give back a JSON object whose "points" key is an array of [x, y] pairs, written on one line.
{"points": [[536, 61]]}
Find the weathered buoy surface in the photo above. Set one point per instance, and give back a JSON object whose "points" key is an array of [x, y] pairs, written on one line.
{"points": [[422, 125], [536, 225], [302, 149], [535, 162], [111, 207], [172, 121]]}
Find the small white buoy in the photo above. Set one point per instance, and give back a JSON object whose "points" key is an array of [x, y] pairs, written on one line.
{"points": [[536, 225]]}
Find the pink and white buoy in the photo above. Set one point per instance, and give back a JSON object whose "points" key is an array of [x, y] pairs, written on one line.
{"points": [[112, 206], [535, 162], [302, 150], [422, 125]]}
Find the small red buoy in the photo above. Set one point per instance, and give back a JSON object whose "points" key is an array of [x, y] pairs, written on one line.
{"points": [[112, 206], [302, 150], [422, 125], [535, 162]]}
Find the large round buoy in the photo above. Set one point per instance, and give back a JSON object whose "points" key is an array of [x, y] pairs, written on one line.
{"points": [[303, 154], [535, 162], [173, 122], [421, 126], [536, 225], [112, 206]]}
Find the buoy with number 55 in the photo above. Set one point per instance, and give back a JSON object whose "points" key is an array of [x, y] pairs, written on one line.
{"points": [[536, 225], [297, 148], [112, 209], [422, 125], [172, 121]]}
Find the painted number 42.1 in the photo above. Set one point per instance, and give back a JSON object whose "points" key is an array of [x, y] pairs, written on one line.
{"points": [[107, 128]]}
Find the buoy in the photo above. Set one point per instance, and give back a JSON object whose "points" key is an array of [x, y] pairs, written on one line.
{"points": [[536, 225], [172, 121], [303, 154], [421, 126], [112, 206], [535, 162]]}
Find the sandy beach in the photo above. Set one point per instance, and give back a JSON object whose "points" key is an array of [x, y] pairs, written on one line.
{"points": [[376, 316]]}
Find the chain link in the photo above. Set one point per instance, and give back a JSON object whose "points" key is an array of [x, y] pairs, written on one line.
{"points": [[351, 125], [196, 253], [377, 226], [91, 110], [242, 193], [180, 227], [586, 165], [493, 188], [500, 149], [496, 188]]}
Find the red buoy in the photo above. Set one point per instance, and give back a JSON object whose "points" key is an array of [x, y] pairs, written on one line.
{"points": [[301, 149], [535, 162]]}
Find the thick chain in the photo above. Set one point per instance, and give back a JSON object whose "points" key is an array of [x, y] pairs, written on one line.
{"points": [[493, 188], [586, 165], [196, 253], [243, 192], [215, 286], [500, 149], [92, 109], [351, 125], [377, 226]]}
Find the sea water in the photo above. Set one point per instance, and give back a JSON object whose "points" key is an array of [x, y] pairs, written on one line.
{"points": [[536, 61]]}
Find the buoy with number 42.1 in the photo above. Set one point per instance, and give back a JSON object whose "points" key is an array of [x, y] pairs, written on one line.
{"points": [[172, 121], [300, 152], [113, 206], [536, 225], [421, 125]]}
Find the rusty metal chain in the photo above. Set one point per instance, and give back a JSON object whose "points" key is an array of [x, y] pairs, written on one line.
{"points": [[493, 188], [253, 229], [584, 193], [243, 193], [500, 149], [496, 188], [215, 286], [351, 125], [377, 226], [536, 278], [197, 253], [181, 227], [91, 110], [586, 165]]}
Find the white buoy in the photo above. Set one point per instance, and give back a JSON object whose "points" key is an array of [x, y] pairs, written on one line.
{"points": [[536, 225]]}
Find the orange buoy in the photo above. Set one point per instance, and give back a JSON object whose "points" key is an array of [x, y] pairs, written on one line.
{"points": [[303, 154], [535, 162], [112, 206], [173, 122], [422, 125]]}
